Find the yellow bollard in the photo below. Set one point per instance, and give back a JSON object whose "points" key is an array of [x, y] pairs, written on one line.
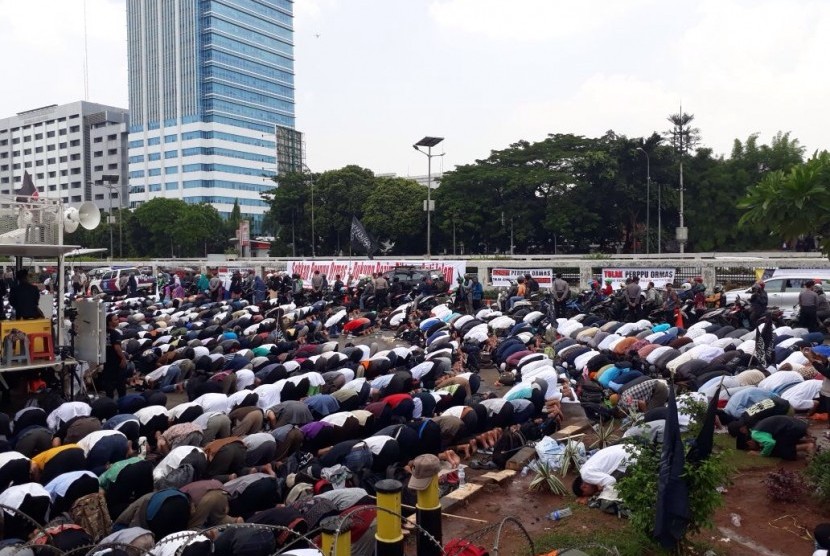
{"points": [[389, 539], [341, 544], [428, 515]]}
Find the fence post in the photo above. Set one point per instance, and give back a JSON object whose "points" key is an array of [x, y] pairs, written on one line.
{"points": [[428, 516], [389, 538], [341, 544]]}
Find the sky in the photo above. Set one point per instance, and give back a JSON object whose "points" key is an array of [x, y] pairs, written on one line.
{"points": [[375, 76]]}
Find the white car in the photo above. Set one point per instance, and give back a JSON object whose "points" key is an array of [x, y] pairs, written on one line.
{"points": [[782, 291]]}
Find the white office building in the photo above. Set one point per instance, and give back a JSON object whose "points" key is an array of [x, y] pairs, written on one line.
{"points": [[68, 150]]}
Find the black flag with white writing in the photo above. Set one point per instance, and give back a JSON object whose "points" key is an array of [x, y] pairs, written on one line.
{"points": [[27, 191], [361, 240]]}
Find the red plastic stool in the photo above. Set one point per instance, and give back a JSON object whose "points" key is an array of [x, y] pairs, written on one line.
{"points": [[48, 348]]}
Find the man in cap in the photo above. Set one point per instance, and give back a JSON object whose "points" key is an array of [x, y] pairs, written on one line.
{"points": [[424, 469]]}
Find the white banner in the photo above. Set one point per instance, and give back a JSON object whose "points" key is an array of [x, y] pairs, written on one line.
{"points": [[351, 271], [501, 277], [660, 276]]}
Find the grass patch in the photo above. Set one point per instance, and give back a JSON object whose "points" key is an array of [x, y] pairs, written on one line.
{"points": [[738, 460], [598, 542]]}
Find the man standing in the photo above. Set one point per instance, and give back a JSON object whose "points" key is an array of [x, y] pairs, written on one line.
{"points": [[758, 302], [477, 293], [808, 302], [215, 287], [337, 288], [316, 286], [24, 297], [115, 364], [532, 284], [561, 294], [381, 290], [631, 293], [670, 303]]}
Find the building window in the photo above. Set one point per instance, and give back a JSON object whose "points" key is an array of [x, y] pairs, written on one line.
{"points": [[4, 168], [76, 198], [75, 129], [113, 166], [27, 151], [112, 137], [38, 149], [38, 136], [112, 151], [39, 176], [98, 168], [50, 161], [16, 140], [62, 159], [75, 143], [27, 138], [99, 197], [27, 164], [62, 145], [50, 134], [38, 163], [75, 156], [76, 185], [15, 153], [76, 171], [98, 140], [98, 154], [62, 131], [50, 147]]}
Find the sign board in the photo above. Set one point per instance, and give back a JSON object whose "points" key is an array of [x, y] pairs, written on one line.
{"points": [[660, 276], [501, 277], [351, 271]]}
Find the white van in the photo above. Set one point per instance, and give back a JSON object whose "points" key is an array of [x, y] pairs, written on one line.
{"points": [[783, 287]]}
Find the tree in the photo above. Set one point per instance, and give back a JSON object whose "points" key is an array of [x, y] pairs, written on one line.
{"points": [[393, 211], [234, 219], [170, 227], [792, 203]]}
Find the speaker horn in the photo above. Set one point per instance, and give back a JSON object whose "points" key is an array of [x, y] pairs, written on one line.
{"points": [[71, 220], [25, 218], [89, 215]]}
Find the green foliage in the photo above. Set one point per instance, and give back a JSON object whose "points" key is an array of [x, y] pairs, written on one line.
{"points": [[605, 434], [785, 486], [793, 202], [818, 476], [638, 488], [546, 480], [170, 227]]}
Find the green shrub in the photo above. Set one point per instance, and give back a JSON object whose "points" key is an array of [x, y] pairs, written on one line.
{"points": [[638, 489], [818, 476]]}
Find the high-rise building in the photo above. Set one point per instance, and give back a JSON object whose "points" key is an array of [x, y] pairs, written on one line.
{"points": [[67, 150], [209, 82]]}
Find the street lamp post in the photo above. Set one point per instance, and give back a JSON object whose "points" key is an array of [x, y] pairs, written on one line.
{"points": [[429, 142], [648, 200], [110, 181], [313, 237]]}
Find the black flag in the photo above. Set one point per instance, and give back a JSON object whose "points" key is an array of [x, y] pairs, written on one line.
{"points": [[702, 448], [764, 345], [672, 511], [361, 240], [27, 191]]}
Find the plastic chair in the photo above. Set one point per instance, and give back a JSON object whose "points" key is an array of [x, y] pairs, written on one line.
{"points": [[15, 348], [47, 350]]}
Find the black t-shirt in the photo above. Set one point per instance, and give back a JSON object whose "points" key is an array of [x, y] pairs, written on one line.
{"points": [[763, 409], [781, 427], [114, 337], [24, 297]]}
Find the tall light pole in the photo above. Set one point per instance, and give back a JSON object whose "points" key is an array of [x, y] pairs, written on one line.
{"points": [[648, 200], [429, 142], [313, 237], [110, 181]]}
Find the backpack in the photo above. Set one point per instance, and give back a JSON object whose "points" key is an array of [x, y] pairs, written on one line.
{"points": [[91, 513], [508, 444], [463, 547], [590, 391]]}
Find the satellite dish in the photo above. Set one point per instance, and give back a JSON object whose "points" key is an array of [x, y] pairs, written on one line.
{"points": [[89, 215], [25, 218], [71, 220]]}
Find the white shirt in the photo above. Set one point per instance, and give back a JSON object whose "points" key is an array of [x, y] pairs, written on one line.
{"points": [[146, 413], [67, 411], [90, 440], [337, 419], [244, 378], [606, 342], [376, 443], [599, 467], [269, 394], [801, 395], [173, 460], [176, 411], [777, 380], [583, 359], [14, 495]]}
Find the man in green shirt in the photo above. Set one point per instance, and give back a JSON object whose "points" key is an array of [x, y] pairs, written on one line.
{"points": [[780, 436]]}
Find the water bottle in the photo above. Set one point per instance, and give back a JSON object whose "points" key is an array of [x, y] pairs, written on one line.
{"points": [[461, 476], [557, 515]]}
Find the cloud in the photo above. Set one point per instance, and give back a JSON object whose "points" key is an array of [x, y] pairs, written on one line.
{"points": [[529, 20]]}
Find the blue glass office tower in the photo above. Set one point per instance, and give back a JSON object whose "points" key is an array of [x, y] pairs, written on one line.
{"points": [[209, 80]]}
